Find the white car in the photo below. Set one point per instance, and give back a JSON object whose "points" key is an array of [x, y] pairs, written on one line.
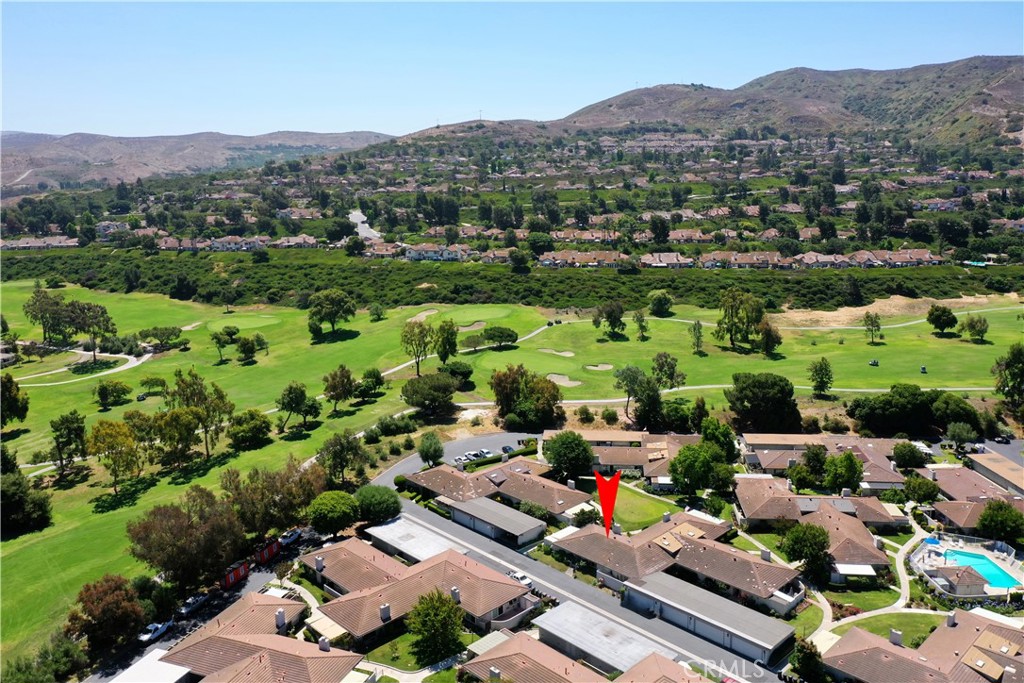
{"points": [[153, 632], [521, 578], [471, 455], [484, 453], [193, 603], [291, 536], [459, 459]]}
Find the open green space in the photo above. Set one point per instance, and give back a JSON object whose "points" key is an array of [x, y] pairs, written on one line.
{"points": [[743, 544], [899, 539], [866, 599], [912, 625], [29, 367], [633, 509], [550, 561], [771, 541], [399, 653], [807, 621], [445, 676]]}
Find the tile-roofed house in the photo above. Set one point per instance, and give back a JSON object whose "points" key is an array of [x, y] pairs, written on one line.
{"points": [[964, 514], [484, 594], [252, 614], [656, 668], [666, 259], [960, 580], [294, 242], [445, 480], [522, 658], [850, 543], [966, 648], [554, 497], [1000, 469], [273, 659], [690, 524], [744, 573], [961, 483], [618, 556], [490, 518], [352, 565]]}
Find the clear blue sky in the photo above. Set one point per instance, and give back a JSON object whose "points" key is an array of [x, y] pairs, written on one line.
{"points": [[152, 69]]}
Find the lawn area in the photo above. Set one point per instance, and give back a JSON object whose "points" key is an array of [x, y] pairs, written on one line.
{"points": [[743, 544], [948, 457], [807, 620], [446, 676], [633, 509], [866, 600], [318, 593], [900, 538], [771, 541], [912, 625], [550, 561], [403, 657]]}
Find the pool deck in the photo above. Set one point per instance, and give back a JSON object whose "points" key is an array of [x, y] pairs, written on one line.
{"points": [[934, 556]]}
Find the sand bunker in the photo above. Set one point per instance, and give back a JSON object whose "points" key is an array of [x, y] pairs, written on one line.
{"points": [[601, 367], [420, 317], [478, 325], [563, 381], [887, 308], [564, 354], [192, 326]]}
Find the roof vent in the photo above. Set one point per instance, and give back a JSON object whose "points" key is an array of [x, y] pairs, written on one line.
{"points": [[319, 563], [666, 516], [385, 612], [571, 484], [456, 594], [325, 645], [279, 618], [495, 673]]}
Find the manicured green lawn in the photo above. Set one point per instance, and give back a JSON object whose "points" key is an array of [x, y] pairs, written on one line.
{"points": [[633, 509], [404, 658], [743, 544], [807, 620], [912, 625], [866, 600], [550, 561], [446, 676], [898, 538], [771, 541], [317, 592]]}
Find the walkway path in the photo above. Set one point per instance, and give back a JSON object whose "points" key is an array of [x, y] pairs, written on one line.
{"points": [[132, 362], [408, 676]]}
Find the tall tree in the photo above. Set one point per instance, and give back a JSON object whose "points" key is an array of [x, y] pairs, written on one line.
{"points": [[23, 508], [628, 379], [339, 385], [1009, 372], [178, 431], [941, 318], [192, 542], [821, 376], [378, 504], [431, 449], [872, 325], [1001, 521], [92, 320], [292, 400], [641, 326], [693, 466], [569, 454], [771, 338], [266, 499], [808, 543], [843, 472], [221, 341], [68, 439], [431, 393], [648, 413], [610, 313], [976, 327], [665, 372], [446, 340], [741, 313], [416, 338], [436, 624], [661, 305], [763, 402], [340, 452], [333, 511], [13, 401], [697, 337], [330, 306], [107, 612], [48, 311], [211, 402], [113, 444]]}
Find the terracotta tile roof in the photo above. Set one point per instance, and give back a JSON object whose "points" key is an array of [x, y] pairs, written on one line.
{"points": [[618, 553], [522, 658], [445, 480], [680, 523], [482, 590], [552, 496], [770, 499], [961, 576], [849, 540], [354, 565], [963, 513], [252, 614], [733, 567], [873, 659], [274, 659], [656, 668], [961, 483]]}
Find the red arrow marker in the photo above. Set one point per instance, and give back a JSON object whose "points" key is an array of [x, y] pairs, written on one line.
{"points": [[607, 489]]}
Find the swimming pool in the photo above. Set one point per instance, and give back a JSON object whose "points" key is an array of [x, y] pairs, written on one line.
{"points": [[996, 576]]}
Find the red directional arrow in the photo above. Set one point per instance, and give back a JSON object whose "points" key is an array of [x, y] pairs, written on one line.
{"points": [[607, 489]]}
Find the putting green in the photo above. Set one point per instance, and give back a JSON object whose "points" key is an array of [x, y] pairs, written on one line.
{"points": [[244, 322]]}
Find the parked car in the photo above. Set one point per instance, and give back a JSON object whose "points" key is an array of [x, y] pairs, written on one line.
{"points": [[471, 455], [507, 449], [192, 603], [153, 632], [1001, 439], [521, 578], [459, 459], [484, 453], [290, 536]]}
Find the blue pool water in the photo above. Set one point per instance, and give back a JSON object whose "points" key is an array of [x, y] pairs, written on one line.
{"points": [[996, 576]]}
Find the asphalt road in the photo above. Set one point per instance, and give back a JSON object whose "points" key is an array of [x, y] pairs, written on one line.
{"points": [[552, 582], [452, 449], [1013, 451]]}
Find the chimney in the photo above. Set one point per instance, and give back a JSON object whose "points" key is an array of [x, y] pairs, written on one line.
{"points": [[892, 465], [896, 637], [790, 462], [571, 484], [385, 612], [766, 555], [666, 516], [932, 475], [504, 457], [319, 563], [456, 594], [279, 618], [789, 485], [879, 543], [325, 645], [616, 528], [495, 673], [845, 493], [951, 619]]}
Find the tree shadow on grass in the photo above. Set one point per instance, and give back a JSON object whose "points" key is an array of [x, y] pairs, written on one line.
{"points": [[128, 494], [946, 335], [979, 342], [198, 468], [92, 366], [343, 412], [775, 355], [74, 476], [247, 363], [877, 343], [12, 434], [738, 350], [336, 336]]}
